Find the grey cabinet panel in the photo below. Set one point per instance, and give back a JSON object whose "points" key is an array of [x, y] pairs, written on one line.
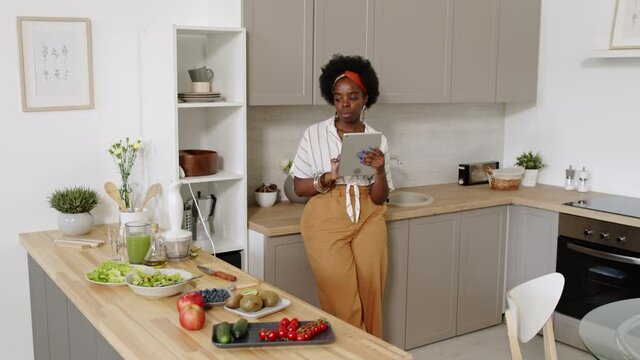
{"points": [[57, 322], [287, 267], [481, 277], [519, 35], [344, 27], [432, 289], [394, 301], [475, 50], [280, 51], [533, 243], [82, 340], [37, 291], [412, 50]]}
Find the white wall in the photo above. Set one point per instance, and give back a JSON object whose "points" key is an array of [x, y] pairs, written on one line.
{"points": [[588, 112], [430, 139], [48, 150]]}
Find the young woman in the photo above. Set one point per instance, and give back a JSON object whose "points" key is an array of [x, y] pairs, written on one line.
{"points": [[343, 224]]}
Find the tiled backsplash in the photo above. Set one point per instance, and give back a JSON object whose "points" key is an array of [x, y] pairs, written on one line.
{"points": [[430, 139]]}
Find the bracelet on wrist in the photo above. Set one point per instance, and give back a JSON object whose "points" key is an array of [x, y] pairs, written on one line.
{"points": [[318, 186]]}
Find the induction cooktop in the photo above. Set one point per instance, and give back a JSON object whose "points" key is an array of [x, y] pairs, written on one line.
{"points": [[614, 204]]}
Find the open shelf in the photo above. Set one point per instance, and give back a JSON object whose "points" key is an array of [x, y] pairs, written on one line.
{"points": [[221, 175], [209, 104]]}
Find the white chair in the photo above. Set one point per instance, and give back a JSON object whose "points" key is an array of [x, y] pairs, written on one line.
{"points": [[531, 305]]}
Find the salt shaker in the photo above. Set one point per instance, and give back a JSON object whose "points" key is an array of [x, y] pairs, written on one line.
{"points": [[570, 175], [583, 176]]}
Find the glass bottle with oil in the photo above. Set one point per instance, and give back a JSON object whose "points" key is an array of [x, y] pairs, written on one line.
{"points": [[157, 254]]}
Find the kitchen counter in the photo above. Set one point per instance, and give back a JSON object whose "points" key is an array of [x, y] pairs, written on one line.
{"points": [[139, 328], [284, 217]]}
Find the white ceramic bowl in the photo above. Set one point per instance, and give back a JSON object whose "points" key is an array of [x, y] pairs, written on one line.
{"points": [[160, 292], [266, 199]]}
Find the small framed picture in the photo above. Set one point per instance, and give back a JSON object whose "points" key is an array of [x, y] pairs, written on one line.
{"points": [[626, 25], [55, 63]]}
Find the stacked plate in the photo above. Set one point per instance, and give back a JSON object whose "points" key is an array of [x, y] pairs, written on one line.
{"points": [[199, 96]]}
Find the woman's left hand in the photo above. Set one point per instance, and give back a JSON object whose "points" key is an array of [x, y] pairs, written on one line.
{"points": [[375, 159]]}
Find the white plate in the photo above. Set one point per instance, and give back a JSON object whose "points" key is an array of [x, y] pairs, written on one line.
{"points": [[199, 94], [201, 100], [115, 284], [283, 303]]}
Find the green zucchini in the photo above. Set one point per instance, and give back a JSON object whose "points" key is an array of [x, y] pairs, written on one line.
{"points": [[223, 332], [239, 329]]}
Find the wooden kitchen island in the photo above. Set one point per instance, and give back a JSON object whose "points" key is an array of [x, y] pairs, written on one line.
{"points": [[75, 319]]}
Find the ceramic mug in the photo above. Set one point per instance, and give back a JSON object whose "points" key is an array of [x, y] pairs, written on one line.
{"points": [[201, 74], [201, 87]]}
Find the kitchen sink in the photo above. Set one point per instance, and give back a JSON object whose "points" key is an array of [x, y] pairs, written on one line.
{"points": [[408, 199]]}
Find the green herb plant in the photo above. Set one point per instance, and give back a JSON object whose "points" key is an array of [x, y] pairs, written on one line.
{"points": [[530, 161], [74, 200]]}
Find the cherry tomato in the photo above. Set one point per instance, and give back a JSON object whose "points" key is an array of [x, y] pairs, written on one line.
{"points": [[272, 336], [299, 337], [323, 326], [316, 329], [282, 333], [294, 321], [284, 321], [262, 334], [292, 327], [306, 336], [292, 336]]}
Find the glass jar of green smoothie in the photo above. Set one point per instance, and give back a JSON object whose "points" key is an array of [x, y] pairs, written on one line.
{"points": [[138, 238]]}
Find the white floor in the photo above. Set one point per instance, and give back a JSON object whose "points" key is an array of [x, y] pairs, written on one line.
{"points": [[490, 344]]}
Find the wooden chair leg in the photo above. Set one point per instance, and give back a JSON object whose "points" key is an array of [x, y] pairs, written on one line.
{"points": [[512, 332], [549, 341]]}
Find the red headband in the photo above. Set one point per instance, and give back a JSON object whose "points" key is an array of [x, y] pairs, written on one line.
{"points": [[353, 76]]}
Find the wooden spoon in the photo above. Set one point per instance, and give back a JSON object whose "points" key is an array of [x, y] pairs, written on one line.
{"points": [[152, 191], [114, 193]]}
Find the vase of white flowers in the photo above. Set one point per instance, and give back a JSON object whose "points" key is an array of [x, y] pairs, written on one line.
{"points": [[285, 165], [124, 153]]}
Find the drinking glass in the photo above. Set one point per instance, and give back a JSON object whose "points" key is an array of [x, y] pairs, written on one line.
{"points": [[138, 238], [116, 241]]}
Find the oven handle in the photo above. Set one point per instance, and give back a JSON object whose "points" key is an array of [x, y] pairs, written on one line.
{"points": [[604, 255]]}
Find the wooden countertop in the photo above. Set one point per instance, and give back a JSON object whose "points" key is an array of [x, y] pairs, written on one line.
{"points": [[139, 328], [284, 217]]}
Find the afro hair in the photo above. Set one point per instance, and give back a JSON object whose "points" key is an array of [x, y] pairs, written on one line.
{"points": [[338, 65]]}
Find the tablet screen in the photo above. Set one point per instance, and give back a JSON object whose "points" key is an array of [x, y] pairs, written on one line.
{"points": [[352, 146]]}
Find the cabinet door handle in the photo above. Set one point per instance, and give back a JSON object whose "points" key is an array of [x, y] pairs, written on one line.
{"points": [[604, 255]]}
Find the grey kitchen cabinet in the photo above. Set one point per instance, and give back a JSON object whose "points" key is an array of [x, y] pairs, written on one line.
{"points": [[412, 50], [532, 244], [481, 275], [432, 279], [394, 302], [280, 50], [475, 51], [519, 35], [60, 331], [340, 27]]}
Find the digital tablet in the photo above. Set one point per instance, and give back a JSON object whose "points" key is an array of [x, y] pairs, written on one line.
{"points": [[352, 146]]}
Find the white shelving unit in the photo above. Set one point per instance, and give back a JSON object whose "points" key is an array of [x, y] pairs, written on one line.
{"points": [[168, 126], [617, 53]]}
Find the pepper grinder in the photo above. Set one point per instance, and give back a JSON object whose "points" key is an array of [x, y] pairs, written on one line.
{"points": [[583, 176], [570, 175]]}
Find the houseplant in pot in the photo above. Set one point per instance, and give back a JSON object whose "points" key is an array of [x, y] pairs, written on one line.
{"points": [[74, 204], [285, 165], [532, 163]]}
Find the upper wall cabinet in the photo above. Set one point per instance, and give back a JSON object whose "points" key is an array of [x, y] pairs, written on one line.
{"points": [[412, 50], [280, 49], [435, 51]]}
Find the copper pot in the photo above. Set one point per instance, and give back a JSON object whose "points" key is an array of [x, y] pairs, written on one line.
{"points": [[199, 162]]}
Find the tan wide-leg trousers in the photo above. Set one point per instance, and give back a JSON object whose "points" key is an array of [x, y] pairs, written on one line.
{"points": [[349, 261]]}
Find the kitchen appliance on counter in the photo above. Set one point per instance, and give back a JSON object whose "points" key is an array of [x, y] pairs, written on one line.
{"points": [[600, 261], [475, 173], [570, 174], [207, 205]]}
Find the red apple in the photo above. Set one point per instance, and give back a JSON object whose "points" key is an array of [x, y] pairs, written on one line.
{"points": [[193, 297], [192, 317]]}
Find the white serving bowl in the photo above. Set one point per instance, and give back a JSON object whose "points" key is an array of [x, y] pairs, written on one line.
{"points": [[160, 292], [266, 199]]}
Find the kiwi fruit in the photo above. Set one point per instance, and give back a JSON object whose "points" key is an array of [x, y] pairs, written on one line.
{"points": [[233, 302], [251, 303], [270, 298]]}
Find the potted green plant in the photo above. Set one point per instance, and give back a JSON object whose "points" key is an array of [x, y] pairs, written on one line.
{"points": [[74, 204], [532, 163]]}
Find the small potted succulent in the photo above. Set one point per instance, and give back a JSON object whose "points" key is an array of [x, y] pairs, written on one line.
{"points": [[74, 204], [532, 163]]}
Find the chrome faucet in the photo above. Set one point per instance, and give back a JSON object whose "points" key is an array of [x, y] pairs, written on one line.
{"points": [[396, 158]]}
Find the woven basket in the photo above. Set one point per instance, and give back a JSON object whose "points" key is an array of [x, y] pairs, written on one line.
{"points": [[499, 180]]}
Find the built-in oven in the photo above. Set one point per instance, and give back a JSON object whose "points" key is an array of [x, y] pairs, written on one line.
{"points": [[599, 263]]}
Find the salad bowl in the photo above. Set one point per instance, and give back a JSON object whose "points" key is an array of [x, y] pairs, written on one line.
{"points": [[161, 282]]}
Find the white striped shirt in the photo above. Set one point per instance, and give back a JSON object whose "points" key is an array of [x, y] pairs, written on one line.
{"points": [[321, 143]]}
